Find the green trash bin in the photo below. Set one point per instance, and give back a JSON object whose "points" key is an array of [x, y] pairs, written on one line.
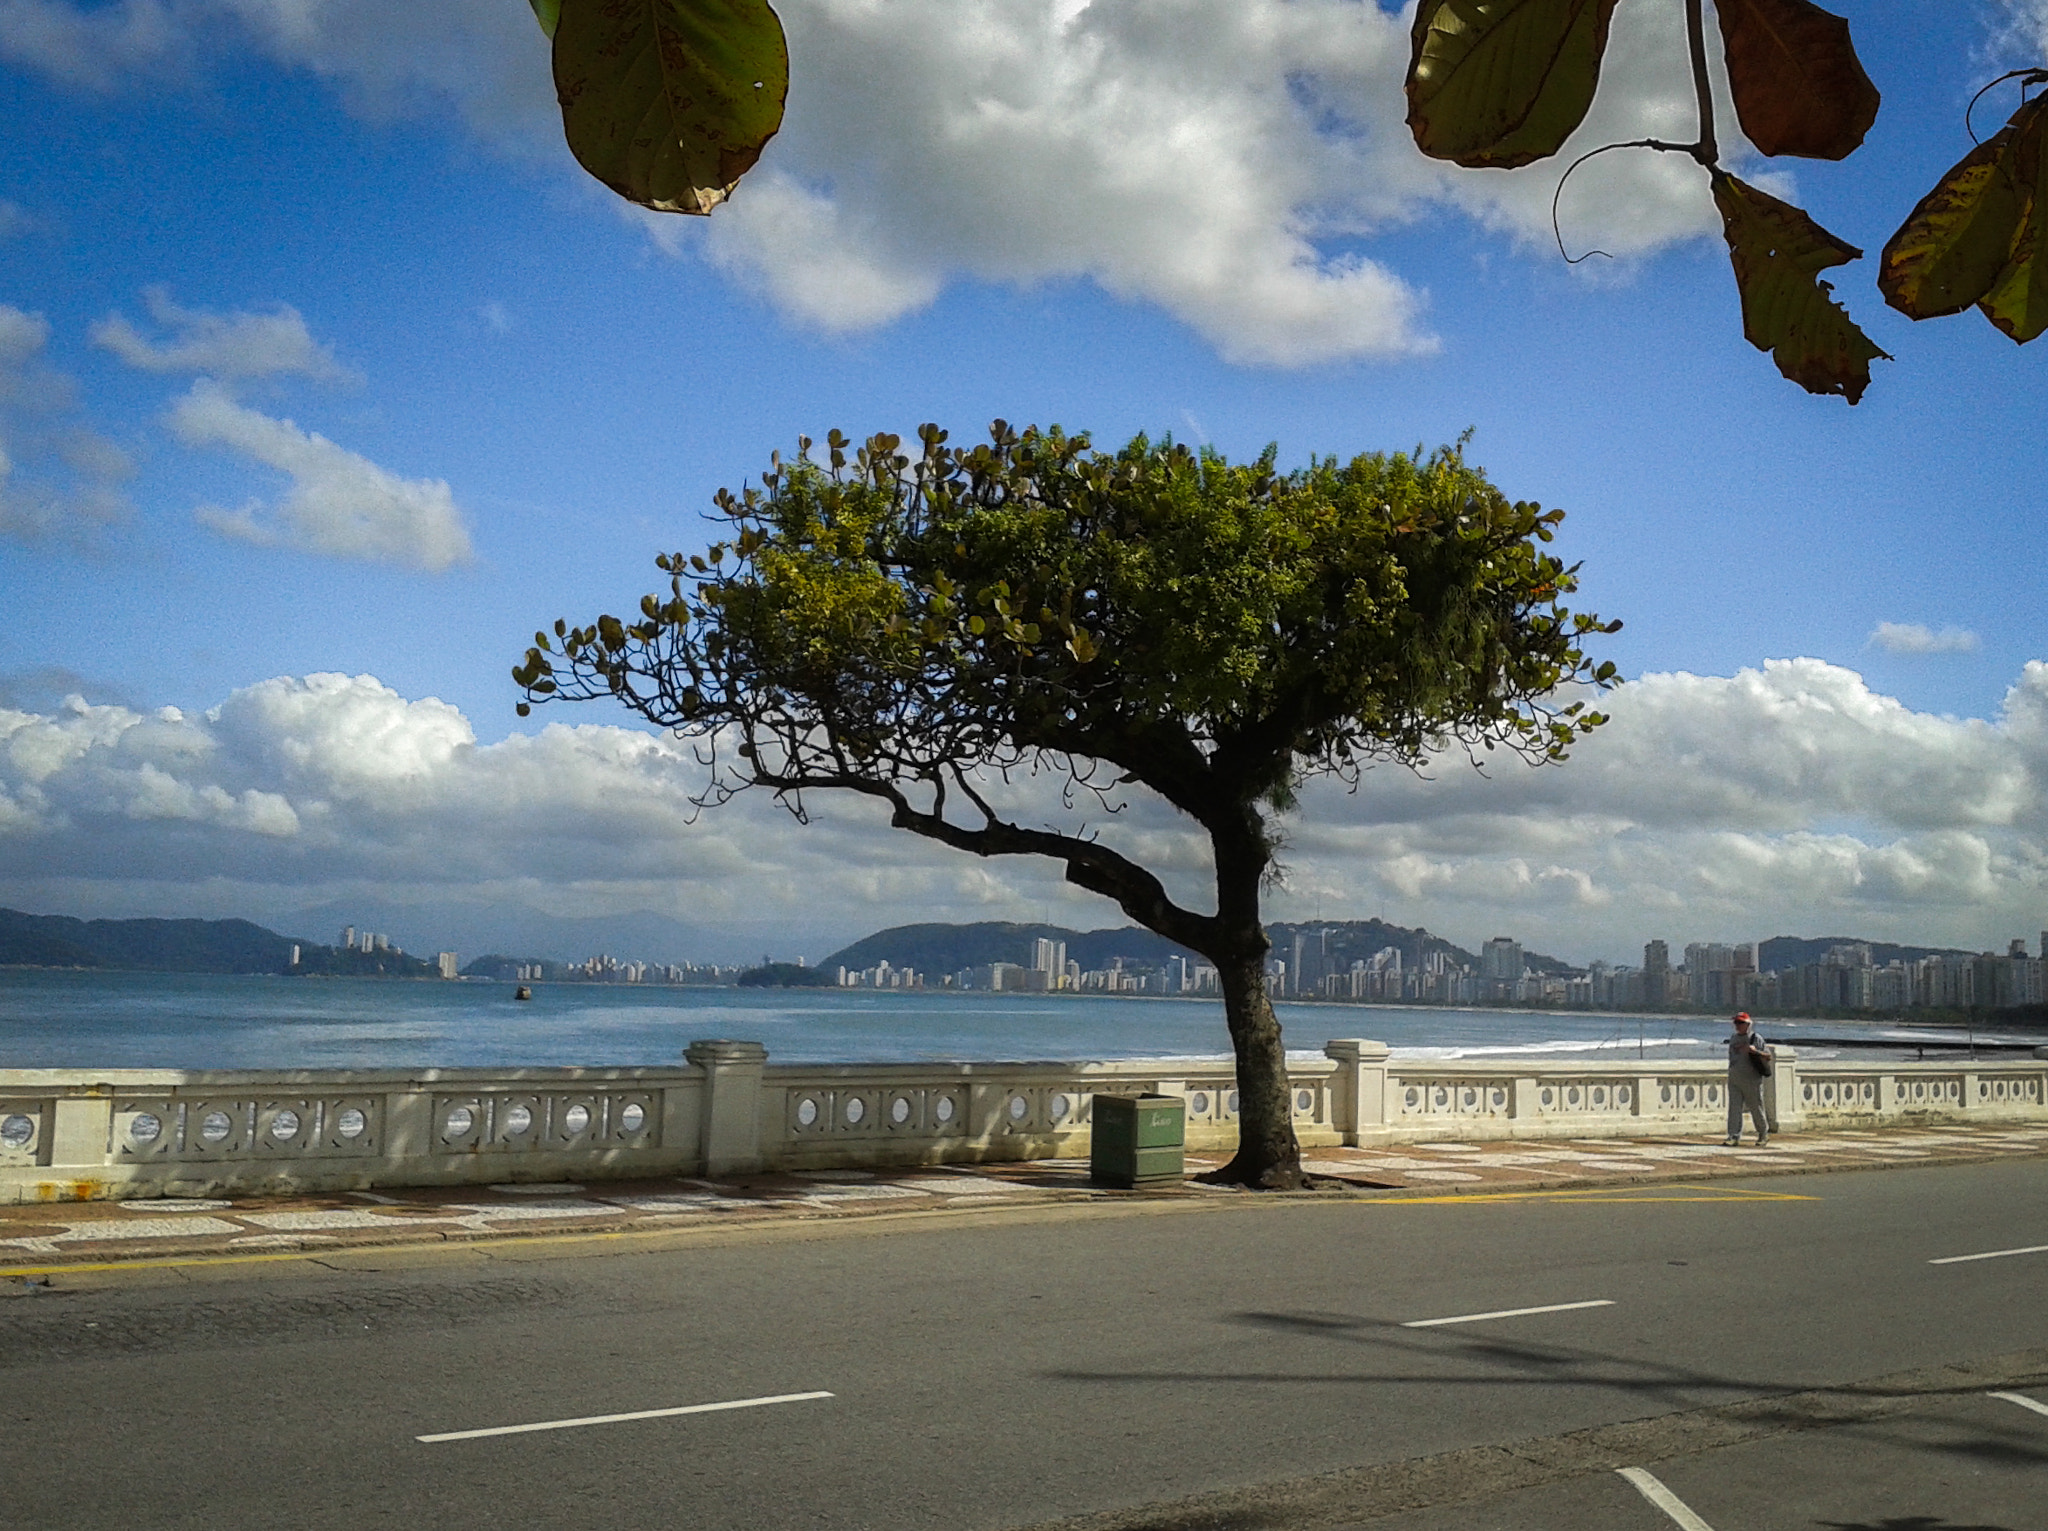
{"points": [[1138, 1140]]}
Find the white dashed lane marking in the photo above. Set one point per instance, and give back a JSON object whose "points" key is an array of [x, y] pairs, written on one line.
{"points": [[616, 1419], [1475, 1318], [2024, 1401], [1647, 1485], [1991, 1254]]}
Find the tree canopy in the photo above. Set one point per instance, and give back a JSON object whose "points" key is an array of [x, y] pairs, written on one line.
{"points": [[913, 629]]}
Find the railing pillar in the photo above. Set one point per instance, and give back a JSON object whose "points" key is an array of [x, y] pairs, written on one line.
{"points": [[1782, 1103], [1358, 1090], [81, 1129], [730, 1122]]}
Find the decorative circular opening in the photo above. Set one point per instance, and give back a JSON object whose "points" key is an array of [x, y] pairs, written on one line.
{"points": [[899, 1110], [1549, 1097], [632, 1116], [1198, 1104], [1443, 1097], [145, 1128], [215, 1125], [1413, 1097], [806, 1112], [351, 1123], [1621, 1094], [1304, 1100], [856, 1108], [1500, 1097], [458, 1122], [284, 1126], [1059, 1106], [1233, 1103], [517, 1120], [576, 1119], [1019, 1108], [943, 1109], [15, 1131], [1572, 1095], [1599, 1096]]}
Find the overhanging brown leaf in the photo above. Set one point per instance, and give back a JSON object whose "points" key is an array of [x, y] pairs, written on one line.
{"points": [[1778, 253], [1799, 87], [1979, 236], [669, 102], [2018, 300], [1500, 83]]}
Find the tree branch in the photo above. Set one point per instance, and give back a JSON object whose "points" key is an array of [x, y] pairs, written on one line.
{"points": [[1089, 864]]}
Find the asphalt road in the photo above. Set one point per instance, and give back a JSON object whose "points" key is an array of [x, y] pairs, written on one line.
{"points": [[1772, 1351]]}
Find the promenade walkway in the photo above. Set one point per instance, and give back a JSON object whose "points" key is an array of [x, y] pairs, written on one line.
{"points": [[40, 1242]]}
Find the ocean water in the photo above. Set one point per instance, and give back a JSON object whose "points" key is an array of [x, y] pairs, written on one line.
{"points": [[52, 1019]]}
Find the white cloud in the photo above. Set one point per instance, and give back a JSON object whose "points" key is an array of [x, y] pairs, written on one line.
{"points": [[13, 221], [1229, 161], [339, 504], [1786, 800], [234, 345], [59, 481], [1915, 638]]}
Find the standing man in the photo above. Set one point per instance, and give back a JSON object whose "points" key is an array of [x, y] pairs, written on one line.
{"points": [[1749, 1061]]}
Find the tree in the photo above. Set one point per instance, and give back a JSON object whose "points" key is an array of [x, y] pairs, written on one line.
{"points": [[1216, 634], [669, 103]]}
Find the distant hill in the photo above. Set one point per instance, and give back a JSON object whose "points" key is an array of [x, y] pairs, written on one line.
{"points": [[941, 949], [1783, 952], [182, 946]]}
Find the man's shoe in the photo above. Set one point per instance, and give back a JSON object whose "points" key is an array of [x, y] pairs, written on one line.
{"points": [[1732, 1143], [1763, 1140]]}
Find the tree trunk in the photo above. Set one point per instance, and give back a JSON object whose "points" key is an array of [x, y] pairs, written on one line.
{"points": [[1268, 1157]]}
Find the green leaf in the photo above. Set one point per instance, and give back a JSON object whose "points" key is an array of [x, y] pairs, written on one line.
{"points": [[548, 13], [1778, 253], [668, 102], [1799, 87], [1980, 234], [1500, 83]]}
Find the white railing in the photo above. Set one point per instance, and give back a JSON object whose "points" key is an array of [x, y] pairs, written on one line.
{"points": [[69, 1134]]}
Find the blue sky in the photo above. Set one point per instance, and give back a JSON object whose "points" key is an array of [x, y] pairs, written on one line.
{"points": [[581, 378]]}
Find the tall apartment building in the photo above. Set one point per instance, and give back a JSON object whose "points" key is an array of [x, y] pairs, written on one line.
{"points": [[1656, 973]]}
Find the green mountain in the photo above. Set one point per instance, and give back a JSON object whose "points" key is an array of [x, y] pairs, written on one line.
{"points": [[942, 949], [183, 946]]}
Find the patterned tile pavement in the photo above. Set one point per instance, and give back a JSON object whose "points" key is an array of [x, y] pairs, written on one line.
{"points": [[48, 1237]]}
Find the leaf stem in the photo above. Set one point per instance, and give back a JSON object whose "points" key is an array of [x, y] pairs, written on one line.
{"points": [[1706, 151]]}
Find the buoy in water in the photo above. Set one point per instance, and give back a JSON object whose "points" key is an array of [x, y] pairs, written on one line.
{"points": [[522, 992]]}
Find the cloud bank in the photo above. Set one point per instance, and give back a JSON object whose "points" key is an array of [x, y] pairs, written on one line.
{"points": [[59, 480], [1916, 638], [1790, 799], [221, 345], [339, 503], [1228, 161]]}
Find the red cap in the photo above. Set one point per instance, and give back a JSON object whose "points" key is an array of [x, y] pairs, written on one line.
{"points": [[1742, 1015]]}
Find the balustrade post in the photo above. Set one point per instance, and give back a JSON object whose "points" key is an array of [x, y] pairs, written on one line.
{"points": [[730, 1120], [1358, 1090], [81, 1129], [1782, 1104]]}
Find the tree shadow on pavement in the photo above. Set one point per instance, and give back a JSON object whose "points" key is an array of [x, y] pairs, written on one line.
{"points": [[1474, 1360]]}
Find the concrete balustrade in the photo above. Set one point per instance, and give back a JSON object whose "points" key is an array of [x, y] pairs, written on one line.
{"points": [[68, 1134]]}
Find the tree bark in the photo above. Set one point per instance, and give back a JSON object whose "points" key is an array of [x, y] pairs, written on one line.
{"points": [[1268, 1157]]}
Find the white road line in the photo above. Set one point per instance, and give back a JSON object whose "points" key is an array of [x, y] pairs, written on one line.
{"points": [[613, 1419], [1992, 1254], [1647, 1485], [2023, 1401], [1474, 1318]]}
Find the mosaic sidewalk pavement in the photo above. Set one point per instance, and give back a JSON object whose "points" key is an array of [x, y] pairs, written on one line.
{"points": [[48, 1237]]}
